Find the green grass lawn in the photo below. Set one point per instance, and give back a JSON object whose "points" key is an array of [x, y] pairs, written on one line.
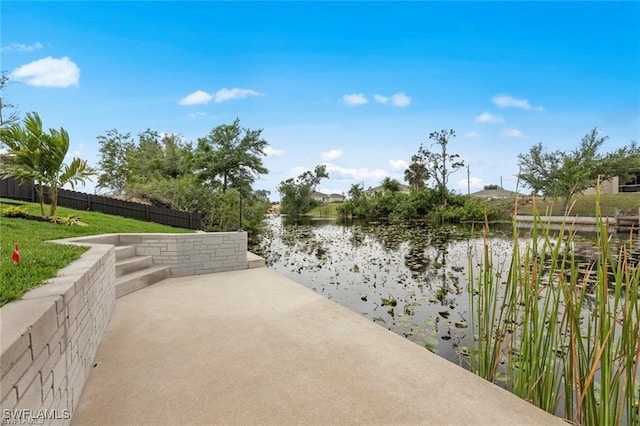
{"points": [[585, 205], [325, 210], [41, 260]]}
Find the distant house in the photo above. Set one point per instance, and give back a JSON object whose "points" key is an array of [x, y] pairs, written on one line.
{"points": [[614, 186], [327, 198], [495, 194], [334, 198], [319, 196], [403, 188]]}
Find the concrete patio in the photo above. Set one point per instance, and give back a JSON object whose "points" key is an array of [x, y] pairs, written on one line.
{"points": [[253, 347]]}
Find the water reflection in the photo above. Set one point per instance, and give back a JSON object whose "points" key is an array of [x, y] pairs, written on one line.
{"points": [[409, 279]]}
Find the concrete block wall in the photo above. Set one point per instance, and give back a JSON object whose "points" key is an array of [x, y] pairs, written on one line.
{"points": [[185, 254], [192, 254], [49, 339]]}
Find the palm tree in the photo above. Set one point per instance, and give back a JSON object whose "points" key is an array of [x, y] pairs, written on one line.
{"points": [[416, 174], [56, 173], [39, 157], [25, 153]]}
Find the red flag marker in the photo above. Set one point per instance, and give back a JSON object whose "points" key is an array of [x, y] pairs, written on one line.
{"points": [[16, 255]]}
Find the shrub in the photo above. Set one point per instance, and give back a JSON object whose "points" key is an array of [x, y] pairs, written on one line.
{"points": [[15, 211], [71, 220]]}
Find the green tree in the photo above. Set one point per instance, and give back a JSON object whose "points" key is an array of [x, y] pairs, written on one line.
{"points": [[296, 194], [416, 174], [57, 173], [38, 156], [440, 163], [357, 204], [565, 174], [146, 160], [25, 151], [230, 157], [115, 149], [390, 185]]}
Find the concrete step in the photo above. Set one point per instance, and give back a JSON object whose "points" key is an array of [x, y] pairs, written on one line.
{"points": [[133, 264], [125, 252], [254, 261], [140, 279]]}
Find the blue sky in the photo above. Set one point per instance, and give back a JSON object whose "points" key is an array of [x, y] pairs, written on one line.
{"points": [[357, 86]]}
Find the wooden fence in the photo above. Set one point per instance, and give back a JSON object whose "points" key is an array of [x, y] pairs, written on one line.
{"points": [[11, 188]]}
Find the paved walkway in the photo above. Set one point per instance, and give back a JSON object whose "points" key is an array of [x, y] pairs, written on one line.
{"points": [[253, 347]]}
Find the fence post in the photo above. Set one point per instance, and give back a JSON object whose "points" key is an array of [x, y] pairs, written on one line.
{"points": [[146, 213], [88, 202]]}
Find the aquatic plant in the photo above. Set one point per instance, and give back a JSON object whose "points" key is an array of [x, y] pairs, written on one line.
{"points": [[560, 333]]}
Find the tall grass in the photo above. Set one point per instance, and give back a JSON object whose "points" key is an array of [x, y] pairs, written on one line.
{"points": [[558, 331]]}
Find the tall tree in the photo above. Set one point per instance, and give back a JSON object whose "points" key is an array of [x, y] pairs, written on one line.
{"points": [[115, 149], [38, 156], [231, 157], [296, 193], [390, 185], [565, 174], [440, 163], [146, 160], [178, 155], [8, 113], [416, 174]]}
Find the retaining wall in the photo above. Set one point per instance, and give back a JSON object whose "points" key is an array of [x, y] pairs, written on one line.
{"points": [[184, 254], [49, 340]]}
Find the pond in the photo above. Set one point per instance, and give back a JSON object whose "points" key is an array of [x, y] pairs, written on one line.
{"points": [[411, 280]]}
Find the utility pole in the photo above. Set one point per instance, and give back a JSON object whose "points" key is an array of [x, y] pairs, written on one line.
{"points": [[501, 183], [468, 181]]}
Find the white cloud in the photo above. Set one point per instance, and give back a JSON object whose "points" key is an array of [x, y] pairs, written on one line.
{"points": [[199, 97], [272, 152], [355, 99], [506, 101], [398, 164], [225, 94], [381, 99], [472, 135], [49, 72], [196, 114], [485, 117], [358, 175], [400, 100], [332, 154], [513, 133], [21, 47]]}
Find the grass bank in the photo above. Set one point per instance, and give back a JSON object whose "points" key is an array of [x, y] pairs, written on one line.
{"points": [[325, 210], [583, 205], [41, 260]]}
